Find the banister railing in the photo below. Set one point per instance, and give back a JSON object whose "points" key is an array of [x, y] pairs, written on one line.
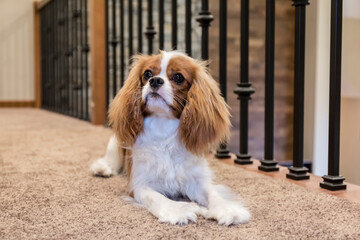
{"points": [[297, 170], [65, 74], [64, 57], [333, 181]]}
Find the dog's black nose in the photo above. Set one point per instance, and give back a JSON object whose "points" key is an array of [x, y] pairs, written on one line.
{"points": [[156, 83]]}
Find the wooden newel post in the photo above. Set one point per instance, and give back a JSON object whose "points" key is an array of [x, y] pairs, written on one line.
{"points": [[97, 24], [37, 54]]}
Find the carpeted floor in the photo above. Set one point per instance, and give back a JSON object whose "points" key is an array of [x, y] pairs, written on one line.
{"points": [[46, 192]]}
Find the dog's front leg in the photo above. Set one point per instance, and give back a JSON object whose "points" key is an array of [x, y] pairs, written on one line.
{"points": [[164, 209], [224, 206], [111, 163]]}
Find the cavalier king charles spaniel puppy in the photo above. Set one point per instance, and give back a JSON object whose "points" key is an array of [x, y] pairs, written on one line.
{"points": [[166, 117]]}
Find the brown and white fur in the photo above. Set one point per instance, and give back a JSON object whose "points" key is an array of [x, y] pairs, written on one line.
{"points": [[166, 117]]}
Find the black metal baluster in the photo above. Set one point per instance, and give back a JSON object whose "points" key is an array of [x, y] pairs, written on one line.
{"points": [[244, 89], [140, 33], [54, 56], [63, 58], [333, 181], [81, 113], [83, 57], [204, 18], [72, 58], [58, 52], [268, 163], [161, 24], [61, 63], [54, 23], [174, 24], [130, 42], [86, 51], [150, 31], [188, 29], [69, 54], [67, 58], [298, 171], [122, 48], [52, 65], [58, 29], [78, 61], [63, 55], [114, 43], [49, 56], [53, 74], [222, 151]]}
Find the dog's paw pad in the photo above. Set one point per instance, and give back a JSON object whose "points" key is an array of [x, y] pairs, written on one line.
{"points": [[100, 169]]}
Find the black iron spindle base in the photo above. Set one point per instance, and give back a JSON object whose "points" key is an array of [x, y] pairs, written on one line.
{"points": [[298, 173], [333, 183], [268, 165], [222, 152], [243, 159], [244, 91]]}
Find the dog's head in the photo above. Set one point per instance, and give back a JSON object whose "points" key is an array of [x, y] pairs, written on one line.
{"points": [[171, 85]]}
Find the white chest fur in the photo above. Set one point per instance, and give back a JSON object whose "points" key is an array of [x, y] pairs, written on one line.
{"points": [[161, 161]]}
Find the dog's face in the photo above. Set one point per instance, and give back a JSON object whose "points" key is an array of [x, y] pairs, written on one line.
{"points": [[166, 80], [171, 85]]}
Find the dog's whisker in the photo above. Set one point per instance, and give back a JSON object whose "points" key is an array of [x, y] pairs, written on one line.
{"points": [[178, 101], [180, 97]]}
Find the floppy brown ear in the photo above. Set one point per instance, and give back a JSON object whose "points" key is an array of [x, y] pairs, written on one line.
{"points": [[125, 112], [205, 120]]}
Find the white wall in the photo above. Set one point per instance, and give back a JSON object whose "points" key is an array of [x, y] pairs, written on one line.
{"points": [[317, 88], [317, 60], [350, 101], [16, 50], [350, 139]]}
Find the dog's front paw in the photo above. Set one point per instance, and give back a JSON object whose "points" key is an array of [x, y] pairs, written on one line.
{"points": [[229, 214], [179, 213], [101, 169]]}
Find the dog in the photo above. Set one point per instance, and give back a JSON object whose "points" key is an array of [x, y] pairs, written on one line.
{"points": [[165, 118]]}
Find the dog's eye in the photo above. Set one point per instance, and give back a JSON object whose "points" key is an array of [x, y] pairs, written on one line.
{"points": [[178, 78], [147, 74]]}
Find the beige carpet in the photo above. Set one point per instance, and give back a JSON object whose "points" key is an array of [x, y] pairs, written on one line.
{"points": [[46, 192]]}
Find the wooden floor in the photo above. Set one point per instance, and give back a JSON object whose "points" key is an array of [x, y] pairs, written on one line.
{"points": [[352, 193]]}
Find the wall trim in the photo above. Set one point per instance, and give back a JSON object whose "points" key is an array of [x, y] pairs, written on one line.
{"points": [[17, 103]]}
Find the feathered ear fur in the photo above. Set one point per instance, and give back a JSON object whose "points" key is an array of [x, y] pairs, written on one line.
{"points": [[125, 112], [205, 120]]}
